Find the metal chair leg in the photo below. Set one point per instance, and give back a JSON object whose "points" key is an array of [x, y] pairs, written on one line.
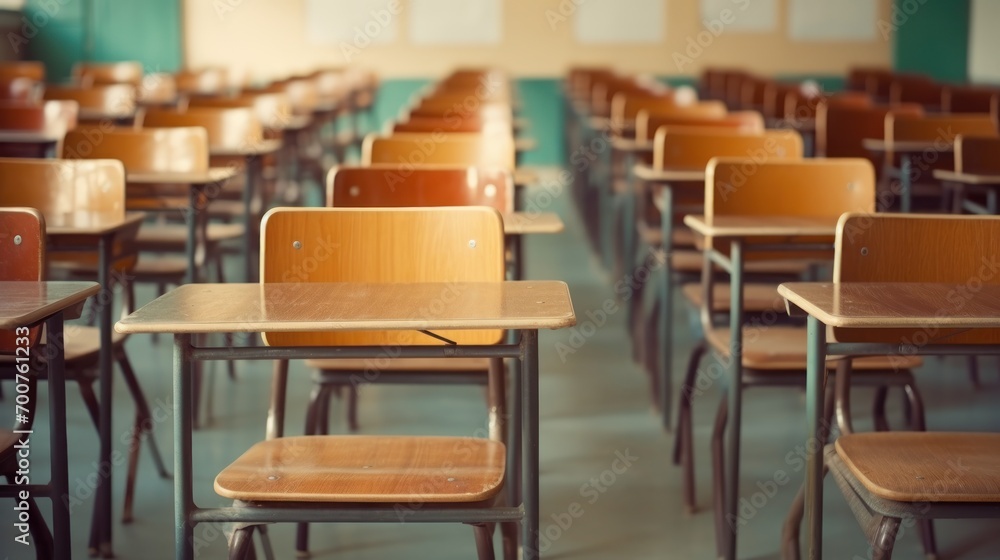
{"points": [[265, 542], [40, 534], [878, 410], [719, 474], [241, 544], [684, 441], [974, 372], [885, 538], [511, 534], [484, 541]]}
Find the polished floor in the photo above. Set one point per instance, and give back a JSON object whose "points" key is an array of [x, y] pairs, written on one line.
{"points": [[603, 454]]}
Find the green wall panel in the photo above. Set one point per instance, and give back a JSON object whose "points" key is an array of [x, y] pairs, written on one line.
{"points": [[70, 31], [931, 37]]}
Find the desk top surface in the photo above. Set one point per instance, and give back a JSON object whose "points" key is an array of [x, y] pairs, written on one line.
{"points": [[26, 303], [968, 178], [880, 145], [262, 147], [894, 304], [299, 307], [89, 223], [213, 175], [648, 173], [521, 223], [762, 226]]}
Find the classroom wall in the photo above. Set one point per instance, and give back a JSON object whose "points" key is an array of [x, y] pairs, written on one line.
{"points": [[984, 42], [267, 38]]}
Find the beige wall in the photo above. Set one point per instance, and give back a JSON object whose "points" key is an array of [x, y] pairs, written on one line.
{"points": [[267, 39]]}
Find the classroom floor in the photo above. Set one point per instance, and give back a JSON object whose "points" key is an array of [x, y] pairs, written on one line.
{"points": [[595, 408]]}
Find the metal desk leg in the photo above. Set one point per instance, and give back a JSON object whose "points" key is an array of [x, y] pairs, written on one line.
{"points": [[192, 236], [57, 420], [905, 186], [529, 393], [183, 425], [735, 395], [517, 247], [815, 372], [250, 194], [102, 504], [667, 310]]}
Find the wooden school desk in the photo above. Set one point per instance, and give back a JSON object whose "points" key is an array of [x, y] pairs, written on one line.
{"points": [[196, 309], [907, 150], [873, 306], [24, 304]]}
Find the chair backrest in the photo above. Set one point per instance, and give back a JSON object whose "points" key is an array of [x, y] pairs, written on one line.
{"points": [[753, 93], [841, 129], [679, 148], [468, 107], [960, 250], [472, 124], [302, 94], [227, 127], [382, 246], [22, 252], [31, 69], [49, 115], [481, 150], [977, 155], [114, 100], [811, 188], [647, 124], [157, 89], [398, 186], [699, 110], [20, 89], [93, 73], [91, 191], [274, 110], [930, 128], [916, 89], [958, 99], [626, 106], [205, 81], [147, 150]]}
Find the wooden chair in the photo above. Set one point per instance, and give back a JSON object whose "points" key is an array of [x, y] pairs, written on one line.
{"points": [[921, 90], [841, 129], [958, 99], [24, 261], [473, 125], [914, 170], [646, 124], [204, 81], [273, 110], [107, 103], [158, 89], [389, 186], [31, 69], [90, 74], [96, 187], [480, 150], [20, 89], [413, 245], [38, 127], [774, 354], [890, 476]]}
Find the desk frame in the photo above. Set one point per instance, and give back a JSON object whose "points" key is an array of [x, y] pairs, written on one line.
{"points": [[522, 480]]}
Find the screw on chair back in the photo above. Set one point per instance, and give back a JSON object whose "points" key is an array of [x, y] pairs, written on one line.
{"points": [[961, 250], [22, 252], [812, 189], [396, 186], [415, 245]]}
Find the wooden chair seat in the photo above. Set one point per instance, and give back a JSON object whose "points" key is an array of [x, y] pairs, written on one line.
{"points": [[403, 364], [925, 466], [691, 262], [85, 343], [175, 236], [756, 297], [781, 347], [366, 469], [681, 237]]}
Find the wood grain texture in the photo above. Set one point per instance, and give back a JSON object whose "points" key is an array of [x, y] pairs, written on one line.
{"points": [[484, 150], [925, 466], [387, 246], [388, 185], [368, 469], [301, 306], [26, 303]]}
